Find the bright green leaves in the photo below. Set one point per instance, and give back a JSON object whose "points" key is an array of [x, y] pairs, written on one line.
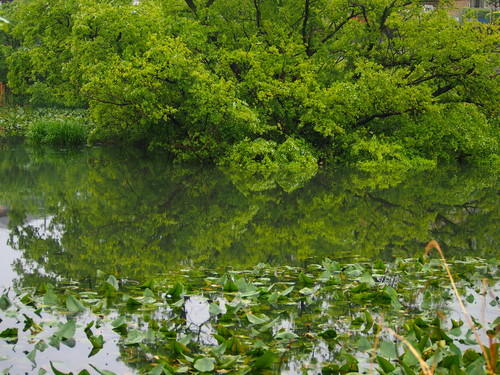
{"points": [[264, 164], [176, 292], [331, 75], [5, 302], [4, 24], [204, 364], [74, 305], [9, 334], [66, 330]]}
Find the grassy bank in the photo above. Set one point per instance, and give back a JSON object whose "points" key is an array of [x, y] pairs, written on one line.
{"points": [[44, 126]]}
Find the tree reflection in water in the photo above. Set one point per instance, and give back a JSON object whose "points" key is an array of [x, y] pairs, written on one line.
{"points": [[135, 215]]}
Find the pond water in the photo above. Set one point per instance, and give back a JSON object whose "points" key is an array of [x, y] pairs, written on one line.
{"points": [[70, 213], [77, 214]]}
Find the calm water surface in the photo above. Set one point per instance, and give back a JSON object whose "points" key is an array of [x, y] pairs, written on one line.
{"points": [[68, 214]]}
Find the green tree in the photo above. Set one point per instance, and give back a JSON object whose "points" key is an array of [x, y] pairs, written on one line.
{"points": [[358, 81]]}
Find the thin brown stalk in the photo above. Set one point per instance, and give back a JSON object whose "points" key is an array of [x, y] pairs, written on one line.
{"points": [[375, 344], [434, 245], [425, 367]]}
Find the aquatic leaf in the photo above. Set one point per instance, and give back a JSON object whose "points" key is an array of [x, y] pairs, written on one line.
{"points": [[363, 344], [28, 301], [235, 346], [407, 368], [470, 356], [385, 365], [50, 298], [286, 336], [120, 325], [325, 275], [363, 287], [162, 369], [113, 282], [450, 361], [287, 291], [176, 292], [57, 372], [367, 278], [229, 363], [214, 309], [66, 330], [204, 364], [357, 322], [131, 301], [148, 294], [9, 333], [264, 361], [41, 346], [332, 266], [55, 341], [223, 331], [179, 347], [103, 372], [31, 356], [222, 280], [73, 305], [328, 334], [368, 321], [307, 291], [305, 279], [268, 326], [134, 336], [150, 284], [379, 265], [273, 298], [256, 320], [30, 324], [351, 364], [243, 286], [234, 306], [219, 350], [5, 302], [96, 341], [388, 349], [230, 287]]}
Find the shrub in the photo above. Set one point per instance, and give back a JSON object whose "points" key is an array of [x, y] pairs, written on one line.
{"points": [[57, 132]]}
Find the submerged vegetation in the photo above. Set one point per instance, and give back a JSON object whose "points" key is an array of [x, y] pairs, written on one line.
{"points": [[379, 84], [326, 317]]}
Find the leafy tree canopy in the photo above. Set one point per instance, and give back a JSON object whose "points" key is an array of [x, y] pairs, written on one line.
{"points": [[374, 82]]}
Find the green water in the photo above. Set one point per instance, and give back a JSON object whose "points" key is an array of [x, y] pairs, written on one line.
{"points": [[135, 215]]}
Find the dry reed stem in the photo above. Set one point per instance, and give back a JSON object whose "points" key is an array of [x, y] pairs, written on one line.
{"points": [[425, 367], [375, 344], [434, 245]]}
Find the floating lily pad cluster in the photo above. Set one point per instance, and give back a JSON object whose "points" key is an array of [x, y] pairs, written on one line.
{"points": [[325, 317]]}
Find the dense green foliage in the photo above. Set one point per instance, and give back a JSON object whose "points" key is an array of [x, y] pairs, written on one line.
{"points": [[375, 82], [57, 133]]}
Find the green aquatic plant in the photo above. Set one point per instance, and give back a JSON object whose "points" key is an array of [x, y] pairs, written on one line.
{"points": [[57, 132], [321, 317]]}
